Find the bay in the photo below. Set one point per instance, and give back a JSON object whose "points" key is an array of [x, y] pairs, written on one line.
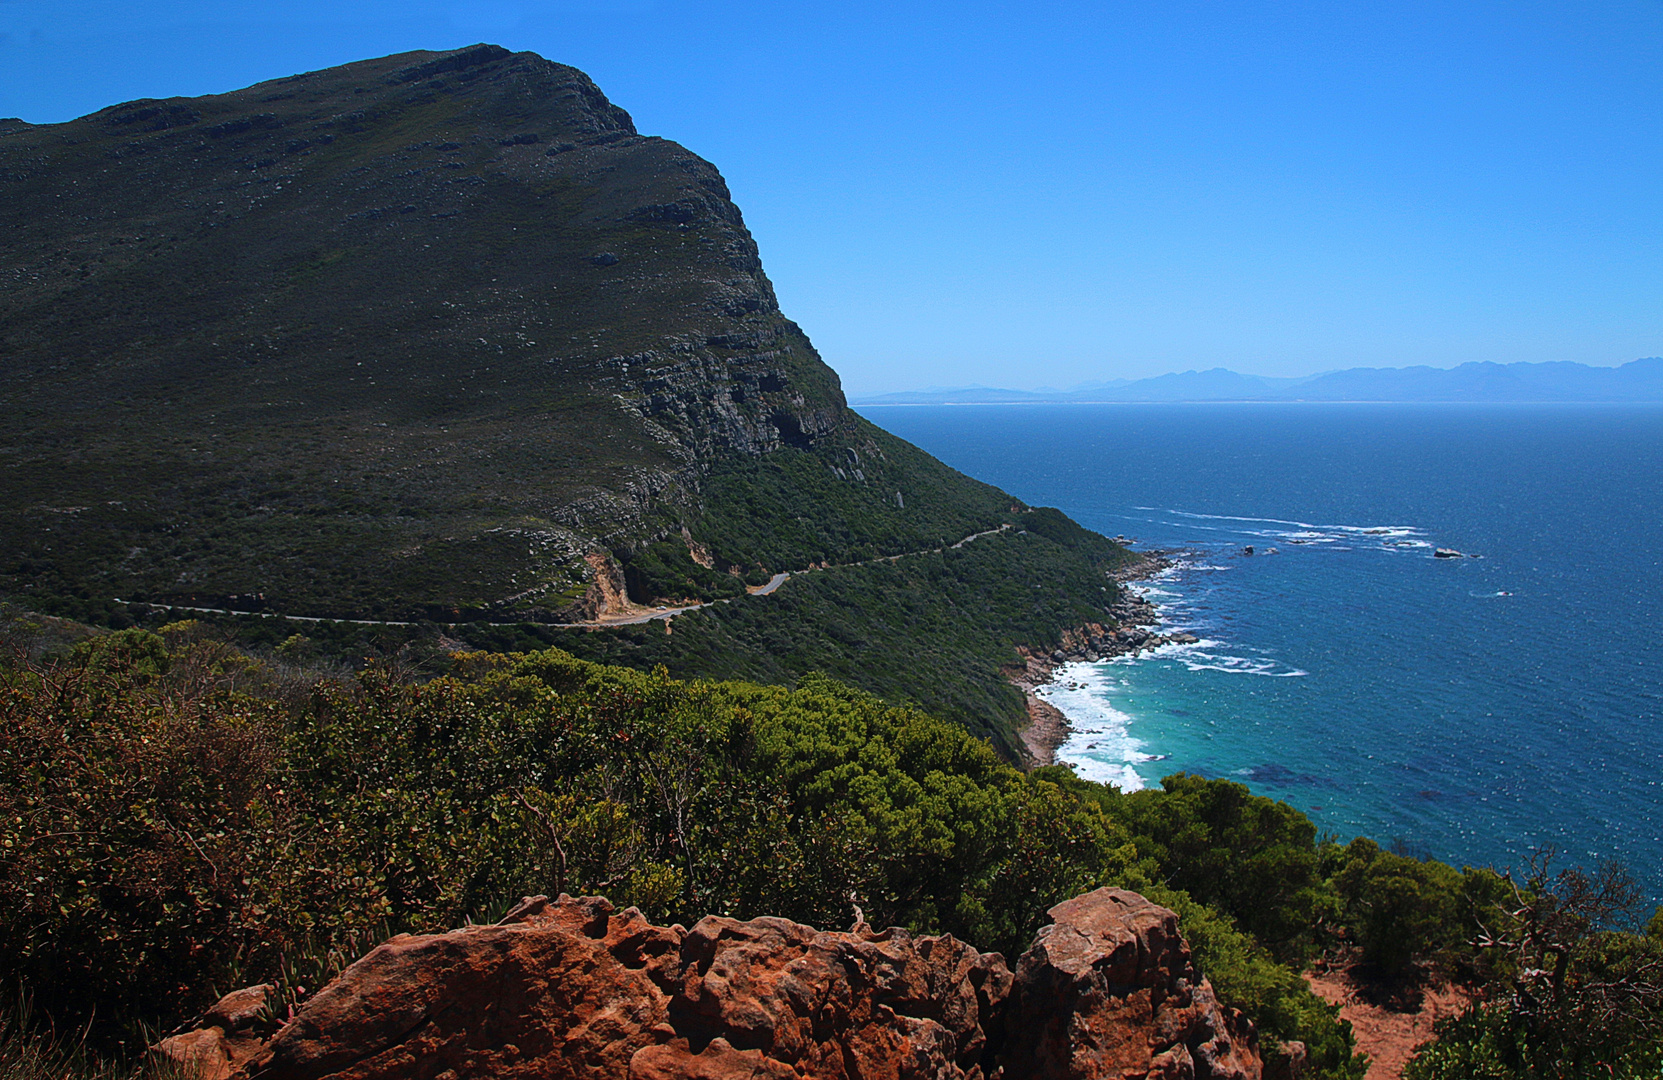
{"points": [[1470, 709]]}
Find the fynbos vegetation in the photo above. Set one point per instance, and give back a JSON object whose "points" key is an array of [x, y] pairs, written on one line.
{"points": [[176, 821]]}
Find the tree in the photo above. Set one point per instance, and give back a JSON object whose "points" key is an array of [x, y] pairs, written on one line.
{"points": [[1580, 997], [1399, 908], [1251, 857]]}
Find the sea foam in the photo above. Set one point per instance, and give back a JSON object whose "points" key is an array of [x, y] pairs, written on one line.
{"points": [[1297, 532], [1101, 746]]}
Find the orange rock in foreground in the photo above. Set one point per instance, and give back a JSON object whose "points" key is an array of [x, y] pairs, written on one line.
{"points": [[1108, 990], [574, 988]]}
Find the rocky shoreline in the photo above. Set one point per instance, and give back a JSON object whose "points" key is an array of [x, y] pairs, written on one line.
{"points": [[1047, 728]]}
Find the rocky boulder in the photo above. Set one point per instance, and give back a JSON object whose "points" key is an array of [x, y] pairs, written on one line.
{"points": [[568, 989], [233, 1032], [831, 1004], [1108, 990], [575, 988]]}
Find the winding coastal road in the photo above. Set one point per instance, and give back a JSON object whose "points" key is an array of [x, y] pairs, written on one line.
{"points": [[633, 616]]}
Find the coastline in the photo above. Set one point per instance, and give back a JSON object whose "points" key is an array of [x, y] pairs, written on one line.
{"points": [[1048, 728]]}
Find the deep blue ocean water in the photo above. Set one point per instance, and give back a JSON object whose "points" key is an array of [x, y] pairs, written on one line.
{"points": [[1471, 708]]}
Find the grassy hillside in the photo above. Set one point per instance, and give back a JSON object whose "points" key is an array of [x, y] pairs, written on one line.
{"points": [[418, 330], [930, 629], [440, 337]]}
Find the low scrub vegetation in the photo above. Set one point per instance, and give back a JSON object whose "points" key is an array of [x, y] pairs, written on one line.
{"points": [[178, 819]]}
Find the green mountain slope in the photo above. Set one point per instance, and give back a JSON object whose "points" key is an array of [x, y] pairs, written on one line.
{"points": [[436, 336]]}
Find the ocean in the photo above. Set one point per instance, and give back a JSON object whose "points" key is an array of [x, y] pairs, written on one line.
{"points": [[1471, 709]]}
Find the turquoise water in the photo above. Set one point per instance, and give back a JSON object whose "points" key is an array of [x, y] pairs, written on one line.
{"points": [[1469, 708]]}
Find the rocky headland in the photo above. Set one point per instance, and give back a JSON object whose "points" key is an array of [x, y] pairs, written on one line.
{"points": [[1128, 635], [575, 988]]}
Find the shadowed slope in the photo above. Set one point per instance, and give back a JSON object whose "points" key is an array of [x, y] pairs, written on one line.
{"points": [[445, 318]]}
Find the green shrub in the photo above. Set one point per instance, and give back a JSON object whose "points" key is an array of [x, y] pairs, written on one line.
{"points": [[1487, 1042], [1401, 909], [168, 834], [666, 571], [1573, 993], [1250, 857], [135, 817], [175, 821], [1245, 976]]}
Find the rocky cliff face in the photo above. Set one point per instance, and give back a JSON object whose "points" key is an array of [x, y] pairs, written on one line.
{"points": [[574, 988], [359, 217], [427, 328]]}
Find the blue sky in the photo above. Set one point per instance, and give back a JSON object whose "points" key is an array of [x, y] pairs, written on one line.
{"points": [[1021, 194]]}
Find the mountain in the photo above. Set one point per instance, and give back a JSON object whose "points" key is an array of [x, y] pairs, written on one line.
{"points": [[441, 336], [1638, 380]]}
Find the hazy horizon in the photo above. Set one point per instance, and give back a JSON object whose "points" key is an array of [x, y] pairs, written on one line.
{"points": [[1032, 386]]}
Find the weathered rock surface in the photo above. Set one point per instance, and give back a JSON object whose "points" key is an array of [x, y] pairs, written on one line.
{"points": [[1108, 990], [232, 1034], [558, 990], [575, 988]]}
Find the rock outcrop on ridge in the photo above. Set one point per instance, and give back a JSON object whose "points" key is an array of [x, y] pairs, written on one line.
{"points": [[574, 988]]}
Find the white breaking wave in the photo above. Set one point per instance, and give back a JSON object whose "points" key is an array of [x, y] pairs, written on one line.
{"points": [[1378, 529], [1239, 665], [1201, 656], [1297, 532], [1222, 517], [1101, 747]]}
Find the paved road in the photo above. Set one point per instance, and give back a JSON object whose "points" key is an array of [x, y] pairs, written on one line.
{"points": [[261, 614], [631, 618]]}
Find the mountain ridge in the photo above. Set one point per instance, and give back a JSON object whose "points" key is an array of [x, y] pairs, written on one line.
{"points": [[285, 261], [1477, 381]]}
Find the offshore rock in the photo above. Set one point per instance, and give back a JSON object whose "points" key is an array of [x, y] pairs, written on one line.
{"points": [[575, 988]]}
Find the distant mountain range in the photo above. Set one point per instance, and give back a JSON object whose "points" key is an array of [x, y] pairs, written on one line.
{"points": [[1638, 380]]}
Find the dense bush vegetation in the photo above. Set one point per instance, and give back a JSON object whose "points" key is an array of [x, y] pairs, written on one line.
{"points": [[666, 571], [177, 818], [932, 629], [1570, 995], [856, 495]]}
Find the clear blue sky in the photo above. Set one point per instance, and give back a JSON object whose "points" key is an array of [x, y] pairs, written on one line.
{"points": [[1032, 193]]}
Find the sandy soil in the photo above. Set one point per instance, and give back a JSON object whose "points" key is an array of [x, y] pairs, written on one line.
{"points": [[1387, 1035]]}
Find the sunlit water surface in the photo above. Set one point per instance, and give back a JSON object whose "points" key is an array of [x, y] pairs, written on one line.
{"points": [[1470, 708]]}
